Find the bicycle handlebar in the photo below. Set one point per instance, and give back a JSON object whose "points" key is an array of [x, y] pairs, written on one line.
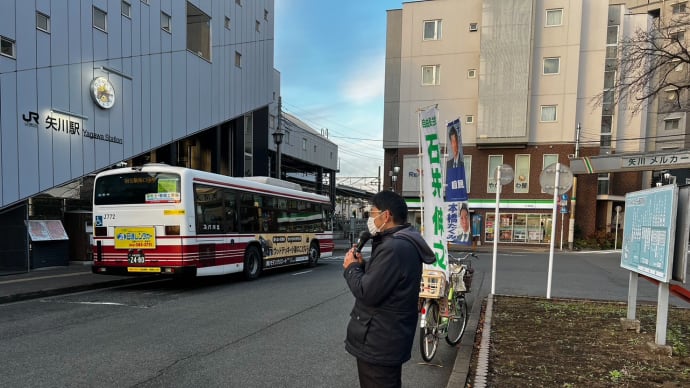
{"points": [[459, 260]]}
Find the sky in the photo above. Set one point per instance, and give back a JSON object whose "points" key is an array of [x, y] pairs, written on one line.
{"points": [[331, 58]]}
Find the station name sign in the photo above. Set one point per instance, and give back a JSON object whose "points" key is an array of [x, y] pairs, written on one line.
{"points": [[71, 126]]}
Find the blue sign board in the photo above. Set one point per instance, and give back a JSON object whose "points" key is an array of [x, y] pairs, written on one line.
{"points": [[649, 232]]}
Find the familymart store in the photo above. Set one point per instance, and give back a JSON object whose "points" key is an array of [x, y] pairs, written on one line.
{"points": [[521, 221]]}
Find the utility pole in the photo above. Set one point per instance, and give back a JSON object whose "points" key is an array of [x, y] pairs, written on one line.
{"points": [[573, 199]]}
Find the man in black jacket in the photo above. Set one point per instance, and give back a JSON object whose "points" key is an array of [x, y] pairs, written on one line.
{"points": [[384, 319]]}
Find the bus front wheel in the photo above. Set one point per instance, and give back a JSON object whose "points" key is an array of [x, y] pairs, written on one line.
{"points": [[252, 263]]}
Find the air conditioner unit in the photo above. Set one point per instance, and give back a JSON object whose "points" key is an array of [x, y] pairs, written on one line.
{"points": [[474, 27], [571, 156]]}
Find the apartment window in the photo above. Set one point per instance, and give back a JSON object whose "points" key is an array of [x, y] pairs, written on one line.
{"points": [[554, 17], [671, 94], [678, 65], [165, 22], [678, 36], [679, 8], [606, 124], [100, 19], [430, 75], [552, 65], [494, 162], [198, 32], [314, 148], [238, 59], [472, 73], [42, 22], [126, 9], [603, 184], [258, 26], [432, 29], [548, 113], [474, 27], [7, 47], [671, 124], [612, 35], [609, 79], [227, 22], [469, 119], [304, 144]]}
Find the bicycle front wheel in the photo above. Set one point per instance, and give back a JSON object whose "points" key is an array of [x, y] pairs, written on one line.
{"points": [[457, 322], [428, 335]]}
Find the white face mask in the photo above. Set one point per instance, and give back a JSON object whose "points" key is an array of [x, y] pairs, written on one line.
{"points": [[372, 226]]}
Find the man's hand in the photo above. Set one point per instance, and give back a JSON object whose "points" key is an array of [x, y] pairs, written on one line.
{"points": [[352, 256]]}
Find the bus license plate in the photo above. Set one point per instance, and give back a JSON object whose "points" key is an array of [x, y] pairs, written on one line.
{"points": [[136, 258]]}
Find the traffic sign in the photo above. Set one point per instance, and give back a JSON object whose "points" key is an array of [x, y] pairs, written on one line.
{"points": [[547, 179]]}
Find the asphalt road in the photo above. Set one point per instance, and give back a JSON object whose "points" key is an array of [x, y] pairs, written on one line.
{"points": [[284, 330]]}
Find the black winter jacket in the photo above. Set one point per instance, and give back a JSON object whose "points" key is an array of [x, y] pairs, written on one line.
{"points": [[384, 319]]}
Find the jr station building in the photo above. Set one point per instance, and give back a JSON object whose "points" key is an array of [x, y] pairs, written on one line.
{"points": [[88, 85]]}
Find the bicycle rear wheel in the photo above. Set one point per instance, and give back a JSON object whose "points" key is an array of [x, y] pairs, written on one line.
{"points": [[457, 322], [428, 335]]}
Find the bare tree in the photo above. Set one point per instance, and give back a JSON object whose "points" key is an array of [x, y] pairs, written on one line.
{"points": [[648, 64]]}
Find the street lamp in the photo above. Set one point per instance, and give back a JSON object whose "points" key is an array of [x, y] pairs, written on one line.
{"points": [[394, 177], [278, 139]]}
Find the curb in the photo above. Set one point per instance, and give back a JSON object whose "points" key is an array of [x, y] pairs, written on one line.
{"points": [[69, 289], [461, 368]]}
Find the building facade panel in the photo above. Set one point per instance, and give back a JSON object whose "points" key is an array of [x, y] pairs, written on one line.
{"points": [[506, 36]]}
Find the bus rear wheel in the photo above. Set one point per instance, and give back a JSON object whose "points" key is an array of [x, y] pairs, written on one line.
{"points": [[314, 255], [252, 263]]}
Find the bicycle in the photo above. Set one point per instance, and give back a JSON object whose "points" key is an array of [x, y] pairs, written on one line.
{"points": [[443, 306]]}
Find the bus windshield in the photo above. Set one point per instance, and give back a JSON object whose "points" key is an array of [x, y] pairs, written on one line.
{"points": [[137, 188]]}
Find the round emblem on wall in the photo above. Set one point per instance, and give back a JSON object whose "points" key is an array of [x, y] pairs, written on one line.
{"points": [[103, 92]]}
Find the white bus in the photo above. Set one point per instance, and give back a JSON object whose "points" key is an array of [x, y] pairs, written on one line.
{"points": [[172, 220]]}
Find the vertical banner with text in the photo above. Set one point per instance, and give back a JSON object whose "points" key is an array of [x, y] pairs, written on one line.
{"points": [[457, 208], [432, 190]]}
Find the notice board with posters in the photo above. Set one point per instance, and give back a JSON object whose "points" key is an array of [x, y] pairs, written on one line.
{"points": [[46, 230], [649, 232], [49, 243]]}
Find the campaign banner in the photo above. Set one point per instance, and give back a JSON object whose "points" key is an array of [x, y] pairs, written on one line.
{"points": [[458, 225], [432, 190], [457, 210], [456, 191]]}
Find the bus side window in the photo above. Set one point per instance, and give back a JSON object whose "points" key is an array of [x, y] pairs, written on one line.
{"points": [[230, 212]]}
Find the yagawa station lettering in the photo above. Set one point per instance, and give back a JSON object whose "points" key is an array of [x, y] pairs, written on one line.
{"points": [[67, 126]]}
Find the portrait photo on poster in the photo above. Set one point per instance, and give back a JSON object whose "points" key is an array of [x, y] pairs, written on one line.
{"points": [[458, 223], [455, 167]]}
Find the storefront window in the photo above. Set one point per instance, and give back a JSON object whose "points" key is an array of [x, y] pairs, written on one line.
{"points": [[531, 228]]}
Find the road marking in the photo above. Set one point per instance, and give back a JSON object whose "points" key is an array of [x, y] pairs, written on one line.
{"points": [[301, 273]]}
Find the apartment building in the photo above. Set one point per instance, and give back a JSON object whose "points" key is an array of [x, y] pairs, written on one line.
{"points": [[524, 78]]}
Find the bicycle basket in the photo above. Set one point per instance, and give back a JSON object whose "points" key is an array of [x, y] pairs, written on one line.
{"points": [[456, 277], [432, 284]]}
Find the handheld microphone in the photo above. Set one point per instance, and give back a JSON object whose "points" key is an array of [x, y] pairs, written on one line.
{"points": [[363, 238]]}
